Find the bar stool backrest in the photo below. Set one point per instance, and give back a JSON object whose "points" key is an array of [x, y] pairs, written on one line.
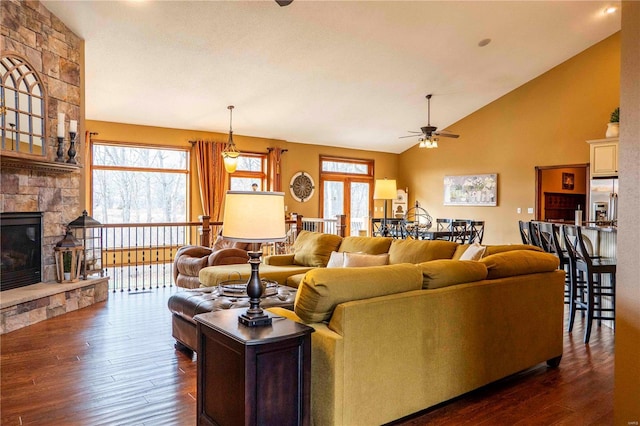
{"points": [[524, 232]]}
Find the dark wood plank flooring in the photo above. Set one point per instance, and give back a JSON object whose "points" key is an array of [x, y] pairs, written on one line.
{"points": [[114, 363]]}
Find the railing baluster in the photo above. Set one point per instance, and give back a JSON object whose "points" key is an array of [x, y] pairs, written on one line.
{"points": [[129, 263]]}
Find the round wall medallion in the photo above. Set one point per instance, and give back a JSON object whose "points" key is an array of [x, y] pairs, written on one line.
{"points": [[301, 187]]}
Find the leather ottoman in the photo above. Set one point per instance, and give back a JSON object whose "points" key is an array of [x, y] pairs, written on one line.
{"points": [[186, 304]]}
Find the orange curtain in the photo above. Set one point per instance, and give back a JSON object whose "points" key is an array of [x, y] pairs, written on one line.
{"points": [[275, 171], [212, 177]]}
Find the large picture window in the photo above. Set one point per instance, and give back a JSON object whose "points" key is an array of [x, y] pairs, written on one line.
{"points": [[135, 184]]}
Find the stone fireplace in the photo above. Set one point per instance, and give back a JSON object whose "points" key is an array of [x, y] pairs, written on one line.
{"points": [[37, 184]]}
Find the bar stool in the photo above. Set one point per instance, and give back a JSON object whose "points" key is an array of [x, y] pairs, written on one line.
{"points": [[556, 249], [538, 237], [588, 297], [524, 232]]}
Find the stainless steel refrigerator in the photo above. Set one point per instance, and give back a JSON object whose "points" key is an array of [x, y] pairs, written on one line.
{"points": [[604, 201]]}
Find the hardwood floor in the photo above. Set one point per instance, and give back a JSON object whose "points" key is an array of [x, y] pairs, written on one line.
{"points": [[114, 363]]}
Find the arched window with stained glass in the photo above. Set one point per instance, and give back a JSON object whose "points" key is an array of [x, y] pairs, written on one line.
{"points": [[22, 108]]}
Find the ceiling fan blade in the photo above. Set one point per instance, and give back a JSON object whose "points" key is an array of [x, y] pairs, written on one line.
{"points": [[446, 134], [410, 136], [413, 131]]}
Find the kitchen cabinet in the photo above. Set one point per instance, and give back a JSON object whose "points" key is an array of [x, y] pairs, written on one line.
{"points": [[604, 157]]}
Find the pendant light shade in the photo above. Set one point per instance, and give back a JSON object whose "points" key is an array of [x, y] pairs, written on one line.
{"points": [[230, 153]]}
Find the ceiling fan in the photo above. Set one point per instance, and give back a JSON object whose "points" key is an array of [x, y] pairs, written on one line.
{"points": [[429, 134]]}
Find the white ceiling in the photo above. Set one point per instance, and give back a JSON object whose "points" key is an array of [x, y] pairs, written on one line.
{"points": [[351, 74]]}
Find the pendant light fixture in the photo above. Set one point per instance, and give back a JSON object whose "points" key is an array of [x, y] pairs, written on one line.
{"points": [[230, 153]]}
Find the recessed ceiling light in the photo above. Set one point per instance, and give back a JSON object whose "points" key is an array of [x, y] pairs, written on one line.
{"points": [[484, 42], [609, 10]]}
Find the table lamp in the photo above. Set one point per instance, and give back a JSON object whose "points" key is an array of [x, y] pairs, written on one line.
{"points": [[254, 217], [385, 189]]}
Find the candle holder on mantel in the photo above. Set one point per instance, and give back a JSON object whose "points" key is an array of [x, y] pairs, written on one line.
{"points": [[60, 151], [72, 148]]}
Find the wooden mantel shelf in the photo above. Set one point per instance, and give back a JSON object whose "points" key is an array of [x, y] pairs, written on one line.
{"points": [[46, 166]]}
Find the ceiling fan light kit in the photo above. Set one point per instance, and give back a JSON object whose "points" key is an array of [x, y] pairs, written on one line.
{"points": [[428, 134]]}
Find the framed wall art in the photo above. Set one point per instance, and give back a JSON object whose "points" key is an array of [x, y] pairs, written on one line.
{"points": [[568, 181], [471, 190]]}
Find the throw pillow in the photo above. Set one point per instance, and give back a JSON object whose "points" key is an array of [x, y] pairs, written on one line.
{"points": [[314, 248], [356, 260], [473, 252], [336, 260]]}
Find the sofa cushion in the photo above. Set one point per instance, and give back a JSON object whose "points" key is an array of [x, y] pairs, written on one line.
{"points": [[418, 251], [322, 289], [493, 249], [314, 248], [446, 272], [473, 252], [501, 248], [519, 262], [370, 245]]}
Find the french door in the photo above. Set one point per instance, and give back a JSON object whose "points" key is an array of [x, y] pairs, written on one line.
{"points": [[347, 189]]}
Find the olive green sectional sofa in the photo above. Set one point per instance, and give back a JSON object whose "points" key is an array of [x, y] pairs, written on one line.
{"points": [[393, 340]]}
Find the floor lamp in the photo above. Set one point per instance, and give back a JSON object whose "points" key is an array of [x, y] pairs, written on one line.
{"points": [[385, 189]]}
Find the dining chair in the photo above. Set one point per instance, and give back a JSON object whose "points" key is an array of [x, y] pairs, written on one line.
{"points": [[444, 225], [588, 297], [459, 232], [476, 231]]}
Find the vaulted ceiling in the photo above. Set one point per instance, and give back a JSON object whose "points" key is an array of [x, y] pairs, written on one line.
{"points": [[339, 73]]}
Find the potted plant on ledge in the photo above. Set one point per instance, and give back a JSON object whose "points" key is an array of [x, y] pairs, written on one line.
{"points": [[613, 128], [66, 264]]}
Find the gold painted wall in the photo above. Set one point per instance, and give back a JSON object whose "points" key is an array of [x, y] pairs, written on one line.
{"points": [[299, 157], [542, 123]]}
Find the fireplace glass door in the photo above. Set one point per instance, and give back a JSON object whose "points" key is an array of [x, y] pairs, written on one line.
{"points": [[20, 249]]}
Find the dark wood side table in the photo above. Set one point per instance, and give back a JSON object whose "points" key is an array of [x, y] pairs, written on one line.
{"points": [[252, 375]]}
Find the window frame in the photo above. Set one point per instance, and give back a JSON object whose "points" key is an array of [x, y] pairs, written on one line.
{"points": [[186, 170], [247, 174]]}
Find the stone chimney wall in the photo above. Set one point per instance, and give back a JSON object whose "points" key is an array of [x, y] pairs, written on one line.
{"points": [[33, 32]]}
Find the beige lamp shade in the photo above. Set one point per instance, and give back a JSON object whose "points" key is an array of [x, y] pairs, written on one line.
{"points": [[254, 217], [385, 189]]}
